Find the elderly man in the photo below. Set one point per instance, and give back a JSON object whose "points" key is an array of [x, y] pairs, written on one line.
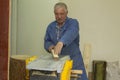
{"points": [[62, 35]]}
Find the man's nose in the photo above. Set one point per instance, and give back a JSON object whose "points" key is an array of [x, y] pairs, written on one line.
{"points": [[59, 16]]}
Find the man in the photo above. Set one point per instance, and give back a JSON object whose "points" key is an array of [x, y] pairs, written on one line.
{"points": [[62, 35]]}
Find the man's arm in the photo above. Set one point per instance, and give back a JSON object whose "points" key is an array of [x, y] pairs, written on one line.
{"points": [[71, 33], [48, 45], [69, 36]]}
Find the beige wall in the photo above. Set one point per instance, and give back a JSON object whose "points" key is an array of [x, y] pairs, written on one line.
{"points": [[29, 27], [99, 25]]}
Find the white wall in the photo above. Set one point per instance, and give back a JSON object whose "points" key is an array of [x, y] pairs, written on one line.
{"points": [[33, 18], [99, 26]]}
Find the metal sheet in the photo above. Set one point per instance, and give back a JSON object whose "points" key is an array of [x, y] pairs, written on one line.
{"points": [[47, 63]]}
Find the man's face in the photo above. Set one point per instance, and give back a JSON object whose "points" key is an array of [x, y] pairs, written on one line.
{"points": [[60, 15]]}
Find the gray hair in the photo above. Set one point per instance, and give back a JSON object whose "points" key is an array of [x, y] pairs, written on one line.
{"points": [[61, 4]]}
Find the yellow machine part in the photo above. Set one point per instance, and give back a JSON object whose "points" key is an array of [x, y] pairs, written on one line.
{"points": [[66, 72], [28, 60]]}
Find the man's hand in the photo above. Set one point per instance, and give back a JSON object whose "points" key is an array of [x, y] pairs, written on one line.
{"points": [[58, 48], [50, 48]]}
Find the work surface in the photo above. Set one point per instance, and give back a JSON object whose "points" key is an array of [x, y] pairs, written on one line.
{"points": [[48, 63]]}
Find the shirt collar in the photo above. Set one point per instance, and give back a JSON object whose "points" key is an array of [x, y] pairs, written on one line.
{"points": [[63, 27]]}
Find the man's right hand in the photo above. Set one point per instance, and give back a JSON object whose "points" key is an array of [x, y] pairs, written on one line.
{"points": [[58, 48]]}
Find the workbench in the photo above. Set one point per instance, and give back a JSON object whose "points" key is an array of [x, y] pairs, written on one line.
{"points": [[46, 68]]}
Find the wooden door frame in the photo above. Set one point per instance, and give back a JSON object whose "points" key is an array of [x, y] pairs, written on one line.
{"points": [[4, 38]]}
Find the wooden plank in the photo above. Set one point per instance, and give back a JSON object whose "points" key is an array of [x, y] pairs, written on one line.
{"points": [[86, 56], [54, 55], [76, 71]]}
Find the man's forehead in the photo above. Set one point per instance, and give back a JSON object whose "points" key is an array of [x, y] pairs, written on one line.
{"points": [[60, 9]]}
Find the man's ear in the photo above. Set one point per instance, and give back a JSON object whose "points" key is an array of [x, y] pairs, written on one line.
{"points": [[67, 12]]}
